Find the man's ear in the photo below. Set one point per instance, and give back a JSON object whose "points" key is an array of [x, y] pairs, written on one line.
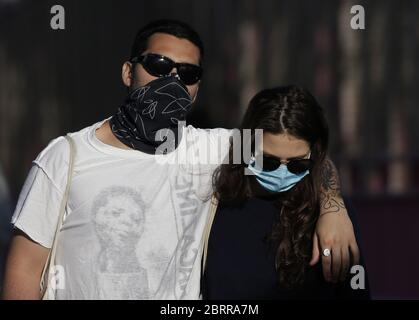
{"points": [[127, 74], [196, 93]]}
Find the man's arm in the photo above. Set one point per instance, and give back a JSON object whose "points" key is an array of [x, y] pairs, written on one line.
{"points": [[24, 266], [330, 195], [334, 230]]}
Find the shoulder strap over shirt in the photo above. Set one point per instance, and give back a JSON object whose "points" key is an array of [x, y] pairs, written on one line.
{"points": [[46, 287]]}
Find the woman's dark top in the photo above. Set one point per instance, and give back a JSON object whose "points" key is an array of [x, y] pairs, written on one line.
{"points": [[241, 263]]}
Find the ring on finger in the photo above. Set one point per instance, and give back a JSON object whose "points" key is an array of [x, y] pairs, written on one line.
{"points": [[326, 252]]}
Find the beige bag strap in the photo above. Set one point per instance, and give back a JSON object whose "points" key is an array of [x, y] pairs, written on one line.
{"points": [[45, 283], [207, 231]]}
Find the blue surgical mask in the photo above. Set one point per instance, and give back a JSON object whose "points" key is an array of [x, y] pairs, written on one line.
{"points": [[279, 180]]}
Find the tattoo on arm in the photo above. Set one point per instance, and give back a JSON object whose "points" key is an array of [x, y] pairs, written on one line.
{"points": [[330, 195]]}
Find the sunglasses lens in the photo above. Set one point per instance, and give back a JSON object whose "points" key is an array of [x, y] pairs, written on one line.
{"points": [[268, 163], [299, 166], [189, 74], [157, 66], [160, 66]]}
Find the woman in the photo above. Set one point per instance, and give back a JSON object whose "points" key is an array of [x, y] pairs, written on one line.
{"points": [[261, 238]]}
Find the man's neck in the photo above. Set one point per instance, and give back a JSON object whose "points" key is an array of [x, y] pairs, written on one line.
{"points": [[105, 134]]}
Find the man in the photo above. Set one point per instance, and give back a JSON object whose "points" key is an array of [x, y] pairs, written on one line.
{"points": [[122, 178]]}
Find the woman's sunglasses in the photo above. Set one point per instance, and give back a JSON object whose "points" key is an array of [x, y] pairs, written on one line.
{"points": [[160, 66], [297, 166]]}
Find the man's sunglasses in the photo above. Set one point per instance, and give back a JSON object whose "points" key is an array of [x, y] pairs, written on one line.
{"points": [[271, 163], [160, 66]]}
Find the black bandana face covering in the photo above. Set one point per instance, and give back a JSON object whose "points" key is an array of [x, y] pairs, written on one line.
{"points": [[149, 112]]}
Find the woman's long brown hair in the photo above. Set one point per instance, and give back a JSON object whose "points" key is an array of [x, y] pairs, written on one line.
{"points": [[292, 110]]}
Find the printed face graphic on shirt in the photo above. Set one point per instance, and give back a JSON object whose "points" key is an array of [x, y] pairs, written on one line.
{"points": [[119, 217]]}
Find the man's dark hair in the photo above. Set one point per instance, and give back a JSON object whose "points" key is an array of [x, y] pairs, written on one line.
{"points": [[173, 27]]}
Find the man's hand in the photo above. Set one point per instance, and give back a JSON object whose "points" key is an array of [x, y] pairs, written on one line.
{"points": [[334, 230]]}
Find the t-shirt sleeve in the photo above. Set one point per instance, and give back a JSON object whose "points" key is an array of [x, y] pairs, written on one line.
{"points": [[211, 146], [37, 210], [220, 138]]}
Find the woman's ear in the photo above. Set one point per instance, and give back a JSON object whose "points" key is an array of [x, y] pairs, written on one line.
{"points": [[127, 74]]}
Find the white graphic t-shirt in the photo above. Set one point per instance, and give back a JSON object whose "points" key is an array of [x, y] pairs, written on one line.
{"points": [[134, 222]]}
